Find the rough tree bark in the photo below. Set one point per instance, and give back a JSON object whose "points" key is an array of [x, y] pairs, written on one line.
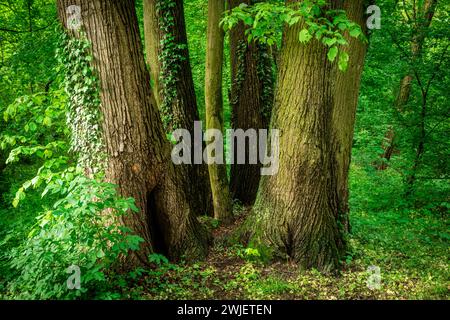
{"points": [[214, 106], [183, 106], [251, 102], [138, 152], [297, 211], [345, 104]]}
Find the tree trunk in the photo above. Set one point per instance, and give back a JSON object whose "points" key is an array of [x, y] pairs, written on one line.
{"points": [[412, 176], [152, 39], [138, 152], [344, 113], [426, 14], [179, 100], [297, 211], [214, 106], [251, 102]]}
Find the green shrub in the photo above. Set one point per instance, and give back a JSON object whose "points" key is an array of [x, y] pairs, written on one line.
{"points": [[80, 230]]}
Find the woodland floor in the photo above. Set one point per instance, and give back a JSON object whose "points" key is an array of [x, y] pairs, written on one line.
{"points": [[411, 251]]}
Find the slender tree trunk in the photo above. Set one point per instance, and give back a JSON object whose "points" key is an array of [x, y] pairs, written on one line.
{"points": [[139, 154], [411, 178], [214, 106], [426, 14], [297, 211], [344, 112], [152, 39], [251, 102], [179, 100]]}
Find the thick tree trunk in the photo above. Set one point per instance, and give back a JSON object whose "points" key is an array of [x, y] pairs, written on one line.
{"points": [[344, 112], [214, 106], [425, 17], [139, 154], [183, 105], [251, 102], [297, 211]]}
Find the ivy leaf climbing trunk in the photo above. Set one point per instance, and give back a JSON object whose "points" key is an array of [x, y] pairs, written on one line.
{"points": [[169, 62], [251, 99], [136, 145], [214, 108], [297, 211]]}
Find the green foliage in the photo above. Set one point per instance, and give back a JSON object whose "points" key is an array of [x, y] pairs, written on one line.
{"points": [[79, 230], [389, 60], [78, 218], [27, 44], [37, 128], [265, 21], [37, 132], [83, 116], [158, 259], [79, 224]]}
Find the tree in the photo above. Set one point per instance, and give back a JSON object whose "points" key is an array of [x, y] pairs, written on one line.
{"points": [[168, 58], [214, 109], [137, 148], [297, 212], [251, 102], [420, 20]]}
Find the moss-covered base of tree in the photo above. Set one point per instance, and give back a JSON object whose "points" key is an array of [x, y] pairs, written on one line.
{"points": [[319, 249]]}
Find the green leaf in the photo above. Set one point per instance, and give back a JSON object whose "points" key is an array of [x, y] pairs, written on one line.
{"points": [[332, 53], [32, 126], [47, 122], [355, 33], [304, 36], [343, 61], [48, 153], [27, 185], [20, 195], [329, 41]]}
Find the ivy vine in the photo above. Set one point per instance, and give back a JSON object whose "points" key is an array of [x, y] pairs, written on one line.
{"points": [[171, 54], [241, 51], [266, 76], [83, 110], [265, 73]]}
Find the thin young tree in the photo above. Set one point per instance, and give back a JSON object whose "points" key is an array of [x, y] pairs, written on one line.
{"points": [[420, 19], [152, 39], [214, 109]]}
